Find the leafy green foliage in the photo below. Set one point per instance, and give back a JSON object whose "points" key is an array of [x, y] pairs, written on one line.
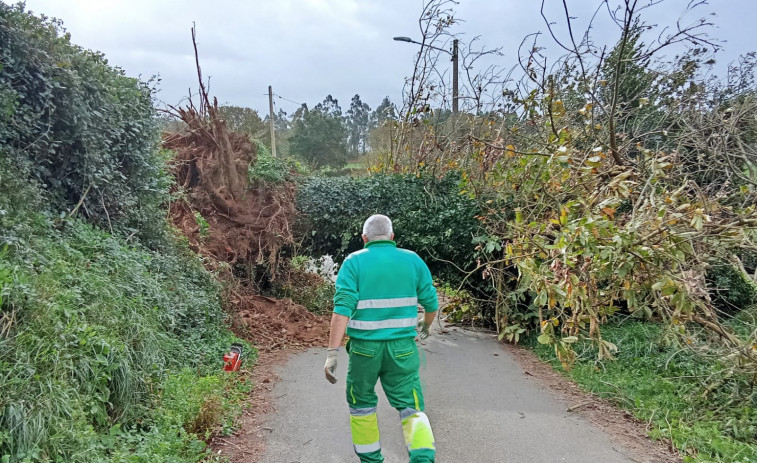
{"points": [[186, 411], [202, 224], [109, 351], [270, 170], [80, 127], [667, 386], [201, 405], [459, 305], [430, 216], [732, 289]]}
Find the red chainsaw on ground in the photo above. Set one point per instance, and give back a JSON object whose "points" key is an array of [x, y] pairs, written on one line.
{"points": [[232, 360]]}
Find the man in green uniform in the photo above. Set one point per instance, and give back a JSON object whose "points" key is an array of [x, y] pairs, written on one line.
{"points": [[377, 292]]}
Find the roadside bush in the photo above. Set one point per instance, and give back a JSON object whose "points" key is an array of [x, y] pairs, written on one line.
{"points": [[199, 404], [458, 305], [306, 286], [731, 290], [267, 169]]}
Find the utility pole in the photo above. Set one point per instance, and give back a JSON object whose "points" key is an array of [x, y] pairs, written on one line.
{"points": [[454, 77], [273, 132]]}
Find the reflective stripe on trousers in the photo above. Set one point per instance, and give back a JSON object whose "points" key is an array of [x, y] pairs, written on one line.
{"points": [[417, 431], [396, 363], [365, 431]]}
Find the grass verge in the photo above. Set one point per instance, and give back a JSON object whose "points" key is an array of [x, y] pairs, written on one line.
{"points": [[664, 384]]}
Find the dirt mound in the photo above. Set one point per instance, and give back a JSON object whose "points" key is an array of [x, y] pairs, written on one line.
{"points": [[274, 323]]}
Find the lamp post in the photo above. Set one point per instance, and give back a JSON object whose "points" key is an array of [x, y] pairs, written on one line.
{"points": [[454, 55]]}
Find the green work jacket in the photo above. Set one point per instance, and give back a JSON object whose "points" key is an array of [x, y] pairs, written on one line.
{"points": [[379, 289]]}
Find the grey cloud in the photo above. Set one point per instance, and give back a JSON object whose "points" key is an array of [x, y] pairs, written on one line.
{"points": [[307, 49]]}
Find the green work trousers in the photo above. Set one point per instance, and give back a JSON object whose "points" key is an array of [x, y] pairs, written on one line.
{"points": [[396, 363]]}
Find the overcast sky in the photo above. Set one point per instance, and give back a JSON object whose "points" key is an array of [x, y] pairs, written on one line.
{"points": [[307, 49]]}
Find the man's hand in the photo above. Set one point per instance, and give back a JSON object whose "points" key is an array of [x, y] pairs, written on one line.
{"points": [[338, 325], [424, 327], [330, 367]]}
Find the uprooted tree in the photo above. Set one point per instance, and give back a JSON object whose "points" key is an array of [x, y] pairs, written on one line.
{"points": [[241, 226], [615, 181], [250, 223]]}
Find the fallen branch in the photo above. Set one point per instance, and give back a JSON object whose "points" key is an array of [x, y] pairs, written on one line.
{"points": [[81, 201], [577, 406]]}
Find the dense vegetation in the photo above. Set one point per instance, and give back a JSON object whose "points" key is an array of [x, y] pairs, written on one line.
{"points": [[616, 183], [78, 126], [111, 330], [430, 216]]}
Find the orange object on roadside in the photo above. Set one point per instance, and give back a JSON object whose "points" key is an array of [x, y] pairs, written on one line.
{"points": [[232, 360]]}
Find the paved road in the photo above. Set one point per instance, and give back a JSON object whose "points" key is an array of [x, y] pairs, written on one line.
{"points": [[482, 409]]}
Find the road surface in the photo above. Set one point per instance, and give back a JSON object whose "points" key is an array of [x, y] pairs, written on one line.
{"points": [[482, 408]]}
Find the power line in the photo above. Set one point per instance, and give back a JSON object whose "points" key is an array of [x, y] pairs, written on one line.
{"points": [[286, 99]]}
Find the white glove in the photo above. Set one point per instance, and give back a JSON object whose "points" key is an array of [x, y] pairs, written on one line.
{"points": [[424, 327], [330, 367]]}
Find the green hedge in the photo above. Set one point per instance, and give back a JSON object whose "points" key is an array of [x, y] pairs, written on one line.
{"points": [[430, 217], [110, 350]]}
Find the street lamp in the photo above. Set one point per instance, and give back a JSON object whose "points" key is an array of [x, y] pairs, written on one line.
{"points": [[454, 65]]}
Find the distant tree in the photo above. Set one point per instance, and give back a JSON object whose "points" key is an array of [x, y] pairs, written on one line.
{"points": [[299, 113], [243, 120], [319, 135], [627, 65], [281, 121], [330, 106], [358, 124], [381, 129], [384, 112]]}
